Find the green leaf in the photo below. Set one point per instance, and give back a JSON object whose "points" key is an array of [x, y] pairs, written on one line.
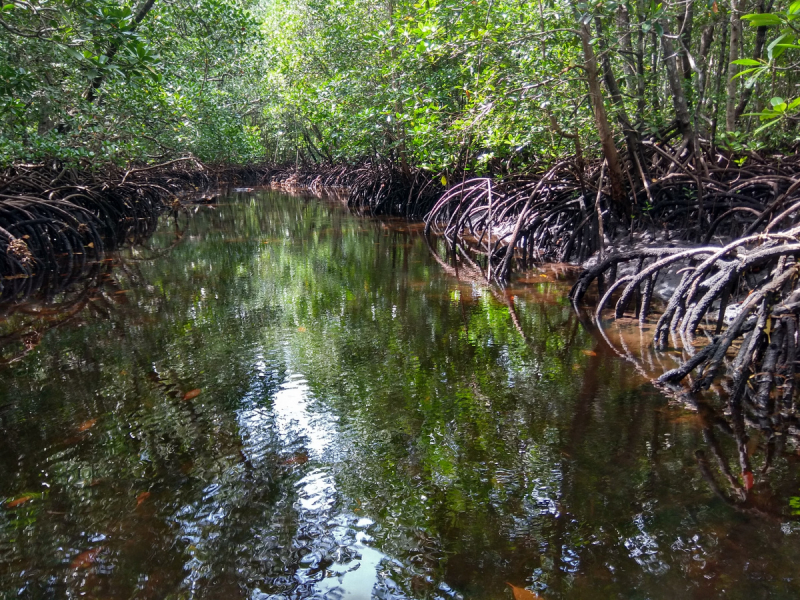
{"points": [[763, 127], [794, 501], [757, 73], [776, 101], [763, 19], [747, 62], [752, 80], [74, 53], [780, 44]]}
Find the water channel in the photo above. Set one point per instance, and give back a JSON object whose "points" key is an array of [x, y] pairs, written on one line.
{"points": [[295, 402]]}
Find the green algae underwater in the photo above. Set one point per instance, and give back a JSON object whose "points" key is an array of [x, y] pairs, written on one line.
{"points": [[289, 401]]}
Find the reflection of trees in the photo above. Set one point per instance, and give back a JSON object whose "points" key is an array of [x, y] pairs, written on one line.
{"points": [[734, 430], [619, 455], [140, 335], [96, 288], [490, 436]]}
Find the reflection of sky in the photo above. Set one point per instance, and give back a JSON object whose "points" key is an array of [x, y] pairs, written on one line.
{"points": [[339, 563], [294, 420]]}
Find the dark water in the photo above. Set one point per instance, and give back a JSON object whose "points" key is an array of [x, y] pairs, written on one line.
{"points": [[366, 426]]}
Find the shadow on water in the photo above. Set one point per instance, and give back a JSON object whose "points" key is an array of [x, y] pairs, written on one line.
{"points": [[294, 402]]}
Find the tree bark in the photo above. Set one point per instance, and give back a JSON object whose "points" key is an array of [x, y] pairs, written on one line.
{"points": [[631, 135], [640, 80], [624, 27], [138, 17], [706, 39], [687, 21], [733, 54], [654, 77], [758, 48], [615, 176], [721, 73], [682, 114]]}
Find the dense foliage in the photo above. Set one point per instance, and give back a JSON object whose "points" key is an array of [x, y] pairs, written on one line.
{"points": [[443, 84], [447, 84], [98, 80]]}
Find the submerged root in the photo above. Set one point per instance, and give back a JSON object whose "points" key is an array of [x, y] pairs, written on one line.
{"points": [[708, 264], [732, 311]]}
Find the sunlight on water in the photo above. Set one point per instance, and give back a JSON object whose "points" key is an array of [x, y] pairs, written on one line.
{"points": [[294, 421], [292, 402]]}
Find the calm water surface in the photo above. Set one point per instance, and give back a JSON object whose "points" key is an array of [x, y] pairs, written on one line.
{"points": [[294, 402]]}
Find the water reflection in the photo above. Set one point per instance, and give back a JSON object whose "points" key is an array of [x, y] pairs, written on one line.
{"points": [[741, 440], [296, 403]]}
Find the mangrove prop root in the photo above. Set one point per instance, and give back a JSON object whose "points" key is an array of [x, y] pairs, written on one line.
{"points": [[57, 222], [381, 188], [565, 213], [752, 285], [723, 278]]}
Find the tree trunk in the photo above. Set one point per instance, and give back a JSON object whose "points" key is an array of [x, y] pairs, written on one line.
{"points": [[615, 175], [706, 39], [138, 17], [758, 48], [654, 79], [640, 80], [682, 114], [624, 27], [323, 146], [733, 54], [721, 72], [631, 135], [685, 35]]}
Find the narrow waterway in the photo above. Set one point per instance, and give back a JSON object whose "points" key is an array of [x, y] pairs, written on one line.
{"points": [[294, 402]]}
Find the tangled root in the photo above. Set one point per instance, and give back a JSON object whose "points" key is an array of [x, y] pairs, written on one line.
{"points": [[566, 214], [540, 218], [374, 188], [733, 310], [56, 222]]}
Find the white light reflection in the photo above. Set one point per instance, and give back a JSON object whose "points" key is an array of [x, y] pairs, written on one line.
{"points": [[294, 420], [339, 562]]}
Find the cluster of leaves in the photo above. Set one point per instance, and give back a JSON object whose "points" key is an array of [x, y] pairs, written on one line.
{"points": [[435, 83], [778, 110], [96, 81], [472, 85], [479, 86]]}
